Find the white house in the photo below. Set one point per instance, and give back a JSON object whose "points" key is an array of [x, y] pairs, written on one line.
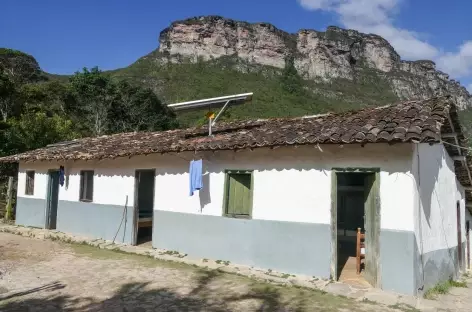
{"points": [[281, 194]]}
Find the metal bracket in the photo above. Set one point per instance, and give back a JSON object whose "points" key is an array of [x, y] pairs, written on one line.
{"points": [[211, 122]]}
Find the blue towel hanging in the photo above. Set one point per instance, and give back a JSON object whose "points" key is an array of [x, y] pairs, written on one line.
{"points": [[195, 176]]}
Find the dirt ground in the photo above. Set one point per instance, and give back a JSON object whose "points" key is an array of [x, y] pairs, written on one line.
{"points": [[43, 275]]}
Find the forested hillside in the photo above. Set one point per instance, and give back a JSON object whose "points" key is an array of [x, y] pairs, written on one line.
{"points": [[37, 109], [277, 92]]}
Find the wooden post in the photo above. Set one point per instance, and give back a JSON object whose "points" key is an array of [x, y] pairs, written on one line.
{"points": [[9, 208]]}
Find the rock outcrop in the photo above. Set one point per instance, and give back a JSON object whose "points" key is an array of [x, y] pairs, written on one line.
{"points": [[322, 56]]}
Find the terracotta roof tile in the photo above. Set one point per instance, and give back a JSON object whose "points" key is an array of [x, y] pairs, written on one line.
{"points": [[412, 121]]}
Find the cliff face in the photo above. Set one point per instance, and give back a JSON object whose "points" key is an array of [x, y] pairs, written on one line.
{"points": [[320, 56]]}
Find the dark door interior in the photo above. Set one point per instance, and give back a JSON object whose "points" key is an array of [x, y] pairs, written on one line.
{"points": [[350, 216], [53, 197], [144, 205], [357, 208]]}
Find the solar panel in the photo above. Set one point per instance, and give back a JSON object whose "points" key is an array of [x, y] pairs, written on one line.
{"points": [[223, 101]]}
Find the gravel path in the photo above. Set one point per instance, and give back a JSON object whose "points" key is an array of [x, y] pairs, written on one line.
{"points": [[43, 275]]}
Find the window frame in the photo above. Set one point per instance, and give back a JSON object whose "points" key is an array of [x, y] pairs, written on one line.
{"points": [[27, 179], [83, 180], [228, 173]]}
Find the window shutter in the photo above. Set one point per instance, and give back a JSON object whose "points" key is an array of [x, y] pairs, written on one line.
{"points": [[89, 193], [86, 185], [231, 210], [29, 189], [239, 195]]}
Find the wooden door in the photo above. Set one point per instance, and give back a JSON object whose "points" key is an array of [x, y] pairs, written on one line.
{"points": [[459, 234], [467, 236], [52, 199], [137, 178], [372, 227]]}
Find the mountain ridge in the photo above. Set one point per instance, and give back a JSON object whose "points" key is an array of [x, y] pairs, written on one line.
{"points": [[317, 55]]}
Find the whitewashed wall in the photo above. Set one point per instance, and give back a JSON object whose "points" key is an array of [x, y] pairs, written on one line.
{"points": [[40, 180], [290, 184], [293, 184], [113, 181], [439, 192]]}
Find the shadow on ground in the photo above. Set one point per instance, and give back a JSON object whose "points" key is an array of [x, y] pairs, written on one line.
{"points": [[202, 297]]}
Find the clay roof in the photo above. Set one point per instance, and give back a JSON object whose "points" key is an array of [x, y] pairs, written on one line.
{"points": [[413, 121]]}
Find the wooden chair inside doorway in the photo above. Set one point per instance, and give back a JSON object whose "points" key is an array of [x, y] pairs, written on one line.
{"points": [[360, 249]]}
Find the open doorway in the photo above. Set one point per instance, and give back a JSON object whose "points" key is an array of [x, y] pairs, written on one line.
{"points": [[144, 205], [356, 226]]}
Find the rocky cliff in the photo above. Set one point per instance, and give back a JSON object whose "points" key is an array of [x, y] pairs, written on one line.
{"points": [[319, 56]]}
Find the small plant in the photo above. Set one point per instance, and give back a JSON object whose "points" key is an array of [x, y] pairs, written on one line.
{"points": [[366, 300], [285, 275], [443, 288], [204, 260], [403, 307], [8, 212], [170, 252], [459, 284]]}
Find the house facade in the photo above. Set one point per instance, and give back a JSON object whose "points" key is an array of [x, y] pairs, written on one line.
{"points": [[292, 207]]}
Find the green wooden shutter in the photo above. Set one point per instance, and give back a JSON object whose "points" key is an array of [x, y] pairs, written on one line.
{"points": [[239, 201]]}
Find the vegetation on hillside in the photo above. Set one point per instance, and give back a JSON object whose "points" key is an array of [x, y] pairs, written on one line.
{"points": [[36, 110], [277, 93]]}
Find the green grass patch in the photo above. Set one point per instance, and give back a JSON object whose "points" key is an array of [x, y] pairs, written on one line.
{"points": [[403, 307], [443, 288], [117, 254]]}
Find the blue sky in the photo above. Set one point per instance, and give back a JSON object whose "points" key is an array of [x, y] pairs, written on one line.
{"points": [[65, 36]]}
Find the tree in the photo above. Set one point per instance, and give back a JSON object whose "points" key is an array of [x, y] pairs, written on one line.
{"points": [[291, 80], [21, 67], [51, 97], [139, 109], [34, 130], [94, 94], [106, 106], [7, 98]]}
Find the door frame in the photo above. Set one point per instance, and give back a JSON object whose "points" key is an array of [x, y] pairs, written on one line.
{"points": [[467, 239], [334, 217], [134, 238], [459, 234], [47, 224]]}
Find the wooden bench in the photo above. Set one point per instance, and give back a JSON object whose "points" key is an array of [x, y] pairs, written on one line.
{"points": [[360, 249]]}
